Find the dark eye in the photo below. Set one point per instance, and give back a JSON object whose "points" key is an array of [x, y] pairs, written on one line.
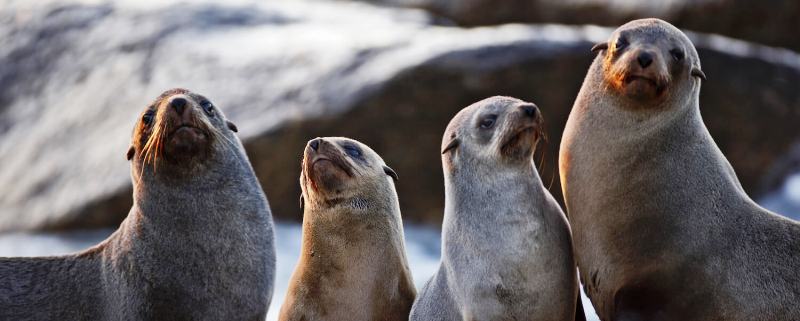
{"points": [[488, 122], [208, 107], [677, 54], [353, 151], [147, 118], [621, 43]]}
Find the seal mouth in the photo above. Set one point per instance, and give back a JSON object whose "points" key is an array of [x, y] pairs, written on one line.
{"points": [[522, 141], [641, 86], [325, 170]]}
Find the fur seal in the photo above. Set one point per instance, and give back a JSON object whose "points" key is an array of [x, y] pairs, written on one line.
{"points": [[196, 245], [662, 227], [506, 248], [352, 262]]}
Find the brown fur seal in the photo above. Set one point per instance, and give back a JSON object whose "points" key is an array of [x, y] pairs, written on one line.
{"points": [[662, 228], [506, 249], [352, 262], [196, 245]]}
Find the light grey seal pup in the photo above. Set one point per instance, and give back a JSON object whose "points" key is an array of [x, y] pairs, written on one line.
{"points": [[196, 245], [662, 228], [353, 262], [506, 248]]}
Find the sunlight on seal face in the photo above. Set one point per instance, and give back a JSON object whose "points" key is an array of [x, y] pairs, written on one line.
{"points": [[641, 64], [178, 126]]}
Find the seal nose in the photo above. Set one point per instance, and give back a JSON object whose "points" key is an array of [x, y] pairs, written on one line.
{"points": [[314, 143], [529, 110], [179, 104], [645, 59]]}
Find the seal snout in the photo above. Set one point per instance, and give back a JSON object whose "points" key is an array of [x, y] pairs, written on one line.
{"points": [[178, 104], [523, 131], [324, 165], [645, 59]]}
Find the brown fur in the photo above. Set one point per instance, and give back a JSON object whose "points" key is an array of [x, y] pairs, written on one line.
{"points": [[352, 264]]}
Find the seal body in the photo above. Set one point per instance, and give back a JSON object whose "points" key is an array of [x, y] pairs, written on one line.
{"points": [[196, 245], [352, 263], [662, 227], [506, 247]]}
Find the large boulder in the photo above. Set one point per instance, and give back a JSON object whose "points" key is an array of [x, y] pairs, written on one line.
{"points": [[75, 77], [771, 22]]}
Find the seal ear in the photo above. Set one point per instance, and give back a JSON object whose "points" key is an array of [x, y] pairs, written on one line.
{"points": [[696, 72], [389, 171], [232, 126], [600, 46], [453, 144], [302, 201], [131, 152]]}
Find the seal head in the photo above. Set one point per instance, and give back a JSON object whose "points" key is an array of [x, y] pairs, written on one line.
{"points": [[336, 169], [643, 58], [179, 131], [500, 129]]}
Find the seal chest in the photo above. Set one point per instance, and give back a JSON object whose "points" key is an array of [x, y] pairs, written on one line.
{"points": [[196, 245], [353, 263], [506, 252], [662, 228]]}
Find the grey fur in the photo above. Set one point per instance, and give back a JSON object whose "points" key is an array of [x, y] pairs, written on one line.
{"points": [[662, 227], [353, 262], [506, 249], [197, 245]]}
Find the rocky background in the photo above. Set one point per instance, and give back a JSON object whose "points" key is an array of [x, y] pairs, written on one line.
{"points": [[74, 76]]}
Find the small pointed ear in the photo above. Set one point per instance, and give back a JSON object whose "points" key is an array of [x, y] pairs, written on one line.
{"points": [[600, 46], [131, 152], [302, 201], [389, 171], [453, 144], [696, 72], [232, 126]]}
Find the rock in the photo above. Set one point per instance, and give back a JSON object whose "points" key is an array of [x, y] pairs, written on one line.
{"points": [[773, 22], [75, 78]]}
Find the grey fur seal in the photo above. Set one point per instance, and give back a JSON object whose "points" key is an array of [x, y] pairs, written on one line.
{"points": [[352, 262], [506, 248], [662, 227], [196, 245]]}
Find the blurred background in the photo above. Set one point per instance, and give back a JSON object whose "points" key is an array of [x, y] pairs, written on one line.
{"points": [[75, 74]]}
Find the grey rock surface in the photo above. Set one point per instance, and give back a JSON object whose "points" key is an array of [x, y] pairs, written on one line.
{"points": [[75, 76]]}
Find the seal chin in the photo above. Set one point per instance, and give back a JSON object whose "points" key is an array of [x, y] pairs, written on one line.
{"points": [[641, 87], [187, 141], [325, 171]]}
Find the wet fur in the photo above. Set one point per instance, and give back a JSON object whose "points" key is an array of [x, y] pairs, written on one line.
{"points": [[506, 249], [196, 245], [353, 263], [662, 227]]}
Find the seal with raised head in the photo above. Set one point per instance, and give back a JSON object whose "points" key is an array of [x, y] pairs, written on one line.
{"points": [[352, 262], [506, 248], [662, 227], [196, 245]]}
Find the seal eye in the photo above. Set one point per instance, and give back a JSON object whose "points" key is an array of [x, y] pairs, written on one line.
{"points": [[488, 122], [677, 54], [147, 118], [352, 151], [621, 43], [208, 107]]}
